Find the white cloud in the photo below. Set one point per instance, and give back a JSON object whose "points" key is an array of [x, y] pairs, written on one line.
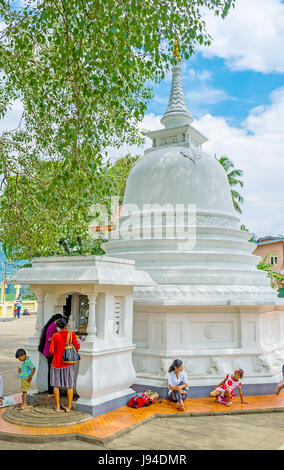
{"points": [[207, 95], [28, 3], [13, 116], [203, 75], [198, 75], [251, 37], [161, 99], [151, 122], [258, 149]]}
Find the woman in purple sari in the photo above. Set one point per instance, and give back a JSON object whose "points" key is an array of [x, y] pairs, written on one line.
{"points": [[44, 344]]}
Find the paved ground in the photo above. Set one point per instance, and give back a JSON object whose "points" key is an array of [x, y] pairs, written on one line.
{"points": [[13, 335], [247, 432], [255, 432]]}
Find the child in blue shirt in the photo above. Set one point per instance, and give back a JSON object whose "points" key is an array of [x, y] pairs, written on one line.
{"points": [[26, 372]]}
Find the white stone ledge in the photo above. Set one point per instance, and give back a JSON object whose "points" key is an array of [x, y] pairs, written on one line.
{"points": [[105, 352]]}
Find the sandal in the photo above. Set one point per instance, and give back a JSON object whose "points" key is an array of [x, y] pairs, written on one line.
{"points": [[180, 406]]}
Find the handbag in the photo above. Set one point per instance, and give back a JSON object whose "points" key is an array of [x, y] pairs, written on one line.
{"points": [[70, 355], [155, 397], [140, 400]]}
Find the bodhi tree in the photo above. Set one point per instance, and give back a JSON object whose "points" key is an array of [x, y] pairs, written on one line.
{"points": [[118, 174], [82, 71]]}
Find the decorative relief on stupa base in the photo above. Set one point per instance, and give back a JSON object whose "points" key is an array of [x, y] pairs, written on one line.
{"points": [[144, 364], [189, 366], [172, 218], [216, 221], [205, 366], [269, 362], [215, 366], [225, 293], [210, 331], [164, 367], [262, 364]]}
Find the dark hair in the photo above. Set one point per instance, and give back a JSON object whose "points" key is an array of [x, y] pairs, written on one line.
{"points": [[61, 323], [240, 371], [175, 365], [20, 352], [42, 340]]}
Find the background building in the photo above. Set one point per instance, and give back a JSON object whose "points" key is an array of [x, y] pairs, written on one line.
{"points": [[274, 248]]}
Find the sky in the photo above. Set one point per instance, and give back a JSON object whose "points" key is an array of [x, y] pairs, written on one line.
{"points": [[234, 90]]}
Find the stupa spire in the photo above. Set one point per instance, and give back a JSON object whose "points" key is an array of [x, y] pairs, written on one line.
{"points": [[176, 114]]}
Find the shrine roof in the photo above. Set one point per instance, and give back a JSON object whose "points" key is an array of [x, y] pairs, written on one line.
{"points": [[82, 270]]}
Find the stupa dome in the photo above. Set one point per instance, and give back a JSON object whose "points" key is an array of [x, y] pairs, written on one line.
{"points": [[177, 175]]}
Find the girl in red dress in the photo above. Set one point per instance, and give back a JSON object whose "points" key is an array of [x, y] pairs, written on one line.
{"points": [[224, 392]]}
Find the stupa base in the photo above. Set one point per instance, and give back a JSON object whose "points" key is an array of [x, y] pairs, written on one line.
{"points": [[211, 340], [264, 387]]}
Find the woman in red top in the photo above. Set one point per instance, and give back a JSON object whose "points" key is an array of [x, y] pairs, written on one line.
{"points": [[62, 374]]}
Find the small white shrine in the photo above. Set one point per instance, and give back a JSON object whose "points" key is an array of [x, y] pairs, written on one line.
{"points": [[212, 307], [96, 293]]}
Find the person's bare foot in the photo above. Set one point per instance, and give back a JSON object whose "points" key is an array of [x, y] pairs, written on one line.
{"points": [[22, 407], [50, 395], [229, 403], [66, 409], [181, 407]]}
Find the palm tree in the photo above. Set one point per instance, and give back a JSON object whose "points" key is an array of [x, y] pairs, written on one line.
{"points": [[233, 176], [276, 278]]}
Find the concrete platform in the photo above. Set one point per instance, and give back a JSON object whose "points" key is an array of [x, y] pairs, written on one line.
{"points": [[107, 427]]}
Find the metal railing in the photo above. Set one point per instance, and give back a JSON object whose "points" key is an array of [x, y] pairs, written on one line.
{"points": [[7, 310]]}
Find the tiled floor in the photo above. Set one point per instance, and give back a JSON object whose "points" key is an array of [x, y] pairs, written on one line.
{"points": [[108, 425]]}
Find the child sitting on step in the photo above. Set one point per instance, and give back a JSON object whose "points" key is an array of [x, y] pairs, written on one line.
{"points": [[280, 384], [224, 392], [1, 391]]}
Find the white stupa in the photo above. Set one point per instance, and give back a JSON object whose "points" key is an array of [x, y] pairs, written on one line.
{"points": [[212, 307]]}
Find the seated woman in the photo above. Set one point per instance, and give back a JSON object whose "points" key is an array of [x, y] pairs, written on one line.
{"points": [[177, 383]]}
